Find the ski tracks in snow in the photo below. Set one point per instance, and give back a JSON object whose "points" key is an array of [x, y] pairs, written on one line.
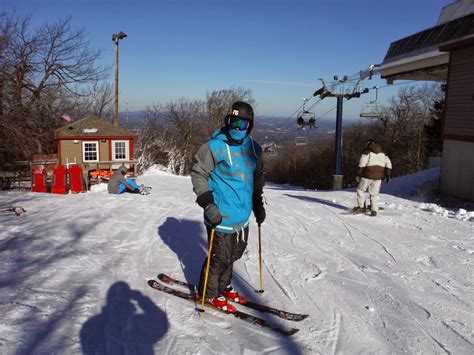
{"points": [[388, 305], [406, 305]]}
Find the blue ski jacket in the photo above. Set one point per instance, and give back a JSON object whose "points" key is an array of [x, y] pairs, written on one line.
{"points": [[233, 173]]}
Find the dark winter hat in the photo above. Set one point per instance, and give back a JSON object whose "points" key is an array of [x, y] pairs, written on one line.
{"points": [[123, 169], [240, 109], [369, 142]]}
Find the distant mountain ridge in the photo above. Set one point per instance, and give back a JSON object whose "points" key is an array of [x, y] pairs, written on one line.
{"points": [[268, 129]]}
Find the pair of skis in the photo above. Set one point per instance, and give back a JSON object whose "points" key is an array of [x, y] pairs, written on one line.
{"points": [[144, 190], [17, 210], [366, 211], [190, 296]]}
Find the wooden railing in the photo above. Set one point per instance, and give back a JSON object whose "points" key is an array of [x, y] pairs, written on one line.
{"points": [[89, 167], [18, 174]]}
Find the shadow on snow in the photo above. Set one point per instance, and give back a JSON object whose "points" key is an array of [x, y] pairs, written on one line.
{"points": [[130, 323], [318, 200], [188, 240]]}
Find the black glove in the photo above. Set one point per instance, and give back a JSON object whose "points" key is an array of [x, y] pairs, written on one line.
{"points": [[136, 191], [258, 209], [212, 215], [260, 214], [205, 199], [387, 179]]}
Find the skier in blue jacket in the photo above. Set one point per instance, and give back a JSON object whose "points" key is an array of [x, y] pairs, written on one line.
{"points": [[227, 178]]}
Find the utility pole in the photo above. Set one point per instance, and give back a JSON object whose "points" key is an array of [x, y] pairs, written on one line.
{"points": [[126, 111], [116, 37], [324, 92]]}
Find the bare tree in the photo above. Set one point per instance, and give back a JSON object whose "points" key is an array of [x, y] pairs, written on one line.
{"points": [[401, 133], [219, 101], [96, 99], [154, 144], [169, 135], [44, 71], [182, 116], [408, 113], [178, 130]]}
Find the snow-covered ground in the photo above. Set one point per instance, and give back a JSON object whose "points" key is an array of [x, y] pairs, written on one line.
{"points": [[74, 268]]}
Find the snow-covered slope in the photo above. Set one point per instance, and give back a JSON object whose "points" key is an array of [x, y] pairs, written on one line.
{"points": [[74, 268]]}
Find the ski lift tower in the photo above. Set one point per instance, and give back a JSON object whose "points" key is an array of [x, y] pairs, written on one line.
{"points": [[324, 92]]}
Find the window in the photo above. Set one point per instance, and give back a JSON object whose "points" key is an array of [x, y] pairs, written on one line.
{"points": [[120, 150], [90, 151]]}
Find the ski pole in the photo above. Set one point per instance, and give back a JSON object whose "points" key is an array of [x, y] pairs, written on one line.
{"points": [[207, 272], [260, 255]]}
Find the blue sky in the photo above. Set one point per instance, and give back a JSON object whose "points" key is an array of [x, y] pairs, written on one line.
{"points": [[276, 48]]}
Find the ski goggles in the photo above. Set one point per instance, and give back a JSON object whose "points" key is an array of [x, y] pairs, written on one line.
{"points": [[239, 124]]}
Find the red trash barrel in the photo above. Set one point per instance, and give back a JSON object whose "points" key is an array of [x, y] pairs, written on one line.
{"points": [[76, 181], [38, 179], [59, 180]]}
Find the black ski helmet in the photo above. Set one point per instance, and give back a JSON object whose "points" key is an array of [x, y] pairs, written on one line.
{"points": [[240, 109]]}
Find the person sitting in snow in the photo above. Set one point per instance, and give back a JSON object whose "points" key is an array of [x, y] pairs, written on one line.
{"points": [[227, 178], [374, 166], [119, 184]]}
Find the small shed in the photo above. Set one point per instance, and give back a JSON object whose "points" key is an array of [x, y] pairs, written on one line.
{"points": [[95, 144]]}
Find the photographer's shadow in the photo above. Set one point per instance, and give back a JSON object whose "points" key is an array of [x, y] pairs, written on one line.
{"points": [[130, 323]]}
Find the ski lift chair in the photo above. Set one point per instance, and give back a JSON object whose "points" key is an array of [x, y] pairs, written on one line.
{"points": [[270, 149], [371, 110], [301, 140], [306, 118]]}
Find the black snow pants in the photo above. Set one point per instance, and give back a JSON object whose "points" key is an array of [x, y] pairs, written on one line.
{"points": [[226, 249]]}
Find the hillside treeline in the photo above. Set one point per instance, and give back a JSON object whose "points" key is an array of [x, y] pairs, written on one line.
{"points": [[46, 72], [409, 131], [173, 132]]}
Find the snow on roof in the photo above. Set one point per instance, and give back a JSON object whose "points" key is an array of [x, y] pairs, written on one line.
{"points": [[90, 130]]}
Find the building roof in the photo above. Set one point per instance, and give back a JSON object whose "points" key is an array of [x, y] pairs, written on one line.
{"points": [[417, 57], [457, 44], [455, 10], [430, 39], [92, 126]]}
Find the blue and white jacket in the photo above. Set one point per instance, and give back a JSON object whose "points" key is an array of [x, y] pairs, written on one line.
{"points": [[233, 173]]}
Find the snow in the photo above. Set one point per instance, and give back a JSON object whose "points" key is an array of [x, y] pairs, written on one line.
{"points": [[90, 130], [74, 268]]}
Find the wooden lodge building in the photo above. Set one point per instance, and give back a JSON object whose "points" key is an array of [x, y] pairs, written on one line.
{"points": [[445, 53], [95, 144]]}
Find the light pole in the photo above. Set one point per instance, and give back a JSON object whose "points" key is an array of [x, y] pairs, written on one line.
{"points": [[116, 37]]}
